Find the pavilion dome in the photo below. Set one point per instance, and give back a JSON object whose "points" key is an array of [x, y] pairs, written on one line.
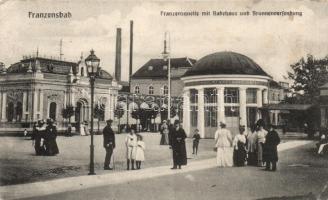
{"points": [[225, 63]]}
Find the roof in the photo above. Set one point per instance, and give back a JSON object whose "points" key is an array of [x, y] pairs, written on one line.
{"points": [[154, 68], [275, 84], [50, 66], [226, 62], [300, 107]]}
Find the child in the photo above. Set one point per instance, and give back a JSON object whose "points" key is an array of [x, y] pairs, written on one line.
{"points": [[195, 143], [131, 147], [25, 132], [140, 155]]}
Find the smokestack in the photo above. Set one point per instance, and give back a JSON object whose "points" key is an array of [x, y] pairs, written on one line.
{"points": [[131, 52], [118, 55]]}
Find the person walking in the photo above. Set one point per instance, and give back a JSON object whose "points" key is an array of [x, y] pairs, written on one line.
{"points": [[37, 137], [239, 146], [131, 147], [140, 152], [270, 154], [261, 134], [178, 146], [223, 146], [252, 147], [109, 143], [50, 139], [164, 133], [195, 142]]}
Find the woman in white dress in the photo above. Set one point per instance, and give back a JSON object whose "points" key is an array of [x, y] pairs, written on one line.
{"points": [[223, 144], [261, 134], [82, 130], [140, 154], [131, 147]]}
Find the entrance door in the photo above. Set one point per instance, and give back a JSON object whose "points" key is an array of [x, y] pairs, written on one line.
{"points": [[251, 116], [52, 110]]}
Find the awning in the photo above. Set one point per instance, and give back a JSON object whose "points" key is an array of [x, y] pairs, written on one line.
{"points": [[300, 107]]}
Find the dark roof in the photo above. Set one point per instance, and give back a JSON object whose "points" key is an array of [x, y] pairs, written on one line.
{"points": [[158, 70], [301, 107], [226, 63], [50, 66], [275, 84]]}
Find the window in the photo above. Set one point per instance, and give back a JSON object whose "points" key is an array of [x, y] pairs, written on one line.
{"points": [[231, 95], [251, 95], [165, 90], [52, 110], [151, 90], [231, 111], [210, 116], [136, 89], [193, 96], [210, 95], [193, 116]]}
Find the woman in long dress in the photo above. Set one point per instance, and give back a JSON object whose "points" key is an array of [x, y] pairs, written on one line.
{"points": [[261, 134], [239, 145], [131, 147], [164, 133], [82, 130], [223, 144], [140, 152], [252, 147]]}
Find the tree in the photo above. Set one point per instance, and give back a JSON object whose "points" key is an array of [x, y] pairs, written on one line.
{"points": [[99, 113], [308, 75], [68, 112], [118, 113]]}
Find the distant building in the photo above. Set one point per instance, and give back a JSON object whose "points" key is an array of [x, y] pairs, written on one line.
{"points": [[40, 88], [152, 77], [324, 106]]}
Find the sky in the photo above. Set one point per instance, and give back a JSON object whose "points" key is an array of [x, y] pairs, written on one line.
{"points": [[273, 42]]}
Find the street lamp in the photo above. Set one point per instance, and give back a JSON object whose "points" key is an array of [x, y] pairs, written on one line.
{"points": [[92, 63], [167, 57]]}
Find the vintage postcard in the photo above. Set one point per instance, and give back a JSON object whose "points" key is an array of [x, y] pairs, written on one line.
{"points": [[167, 100]]}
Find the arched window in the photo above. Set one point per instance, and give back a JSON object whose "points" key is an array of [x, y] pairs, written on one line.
{"points": [[136, 89], [82, 71], [52, 110], [151, 90], [165, 90], [10, 112], [19, 111]]}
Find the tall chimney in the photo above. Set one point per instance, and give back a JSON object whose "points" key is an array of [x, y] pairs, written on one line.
{"points": [[131, 52], [118, 55]]}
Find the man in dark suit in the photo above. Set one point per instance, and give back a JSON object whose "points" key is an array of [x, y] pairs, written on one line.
{"points": [[109, 143]]}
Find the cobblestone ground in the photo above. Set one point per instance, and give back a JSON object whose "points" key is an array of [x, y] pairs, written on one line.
{"points": [[18, 163]]}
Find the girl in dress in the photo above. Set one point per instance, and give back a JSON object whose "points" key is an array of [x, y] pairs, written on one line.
{"points": [[131, 147], [140, 153]]}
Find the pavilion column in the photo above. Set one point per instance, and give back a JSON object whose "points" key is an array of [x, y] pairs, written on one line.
{"points": [[220, 105], [41, 104], [242, 106], [259, 103], [72, 103], [265, 96], [186, 112], [111, 106], [35, 105], [107, 108], [3, 107], [200, 114]]}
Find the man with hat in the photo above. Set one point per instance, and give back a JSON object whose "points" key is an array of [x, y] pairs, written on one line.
{"points": [[109, 143], [178, 145]]}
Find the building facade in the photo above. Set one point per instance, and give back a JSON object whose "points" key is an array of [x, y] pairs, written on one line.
{"points": [[223, 87], [40, 88], [324, 107]]}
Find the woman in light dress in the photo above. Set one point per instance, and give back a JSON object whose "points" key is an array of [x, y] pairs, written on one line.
{"points": [[239, 145], [82, 130], [140, 154], [223, 144], [131, 147], [261, 134]]}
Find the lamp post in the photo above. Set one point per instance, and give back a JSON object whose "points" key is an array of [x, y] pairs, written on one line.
{"points": [[167, 57], [92, 63]]}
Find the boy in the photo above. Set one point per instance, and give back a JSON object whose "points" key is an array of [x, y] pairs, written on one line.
{"points": [[195, 143]]}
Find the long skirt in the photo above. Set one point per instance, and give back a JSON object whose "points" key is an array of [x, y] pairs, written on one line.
{"points": [[252, 159], [164, 138], [260, 154], [224, 156], [239, 157]]}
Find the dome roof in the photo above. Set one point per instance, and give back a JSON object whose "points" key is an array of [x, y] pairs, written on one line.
{"points": [[225, 63]]}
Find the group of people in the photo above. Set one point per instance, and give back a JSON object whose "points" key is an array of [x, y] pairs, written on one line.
{"points": [[135, 147], [44, 138], [174, 136], [256, 148]]}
